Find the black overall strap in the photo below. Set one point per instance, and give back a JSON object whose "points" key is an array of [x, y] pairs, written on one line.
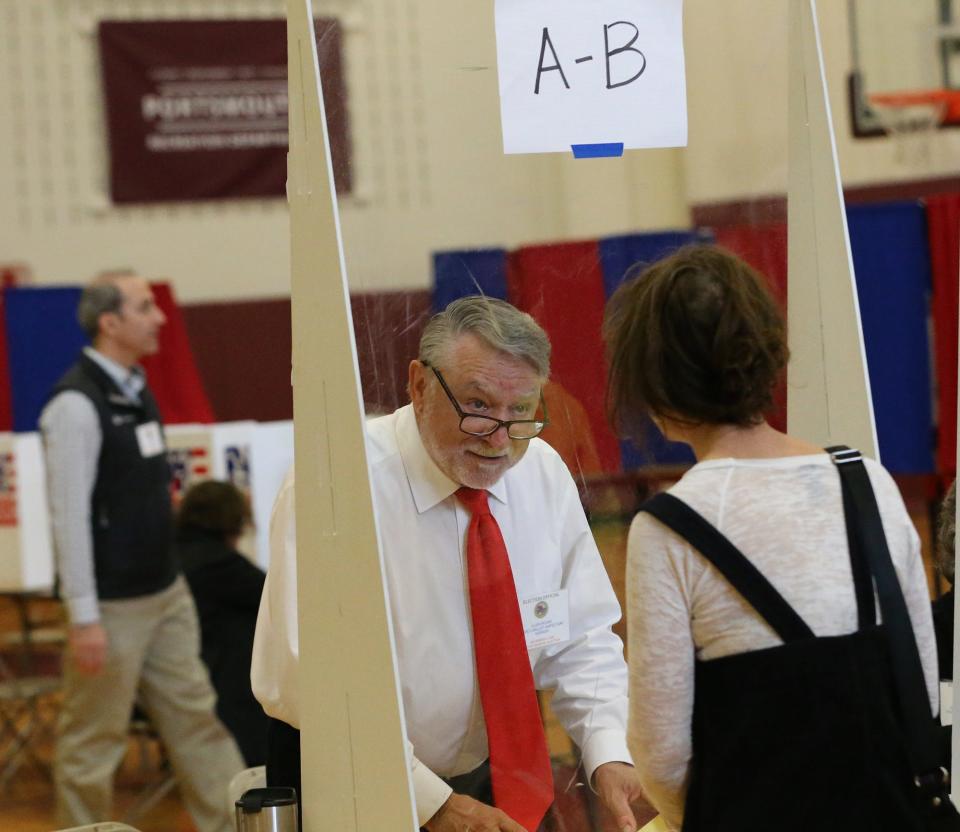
{"points": [[919, 727], [742, 575], [859, 565]]}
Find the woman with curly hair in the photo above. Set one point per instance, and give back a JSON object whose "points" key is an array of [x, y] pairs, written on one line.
{"points": [[742, 720]]}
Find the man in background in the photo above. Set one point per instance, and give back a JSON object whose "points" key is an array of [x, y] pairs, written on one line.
{"points": [[132, 625]]}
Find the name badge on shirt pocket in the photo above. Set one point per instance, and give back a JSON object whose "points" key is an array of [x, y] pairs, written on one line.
{"points": [[149, 439], [546, 619]]}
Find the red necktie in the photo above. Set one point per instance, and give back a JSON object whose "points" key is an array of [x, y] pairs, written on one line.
{"points": [[519, 762]]}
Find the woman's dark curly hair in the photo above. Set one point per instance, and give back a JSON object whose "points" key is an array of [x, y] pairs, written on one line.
{"points": [[695, 336]]}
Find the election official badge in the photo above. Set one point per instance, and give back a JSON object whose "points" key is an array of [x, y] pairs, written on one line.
{"points": [[546, 619]]}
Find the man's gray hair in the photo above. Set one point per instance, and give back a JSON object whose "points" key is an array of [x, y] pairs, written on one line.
{"points": [[502, 326], [99, 296]]}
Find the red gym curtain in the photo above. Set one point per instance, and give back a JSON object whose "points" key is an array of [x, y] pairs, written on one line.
{"points": [[172, 373], [943, 223], [561, 286]]}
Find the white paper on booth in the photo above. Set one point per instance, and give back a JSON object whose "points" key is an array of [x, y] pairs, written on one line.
{"points": [[591, 72], [35, 536], [272, 458]]}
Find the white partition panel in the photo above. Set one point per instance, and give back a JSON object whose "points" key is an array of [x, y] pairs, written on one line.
{"points": [[271, 459], [828, 397], [354, 759]]}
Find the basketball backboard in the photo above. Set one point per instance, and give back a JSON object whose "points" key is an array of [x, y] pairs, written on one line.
{"points": [[905, 65]]}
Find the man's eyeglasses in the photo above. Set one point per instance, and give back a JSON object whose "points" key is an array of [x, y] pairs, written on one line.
{"points": [[476, 425]]}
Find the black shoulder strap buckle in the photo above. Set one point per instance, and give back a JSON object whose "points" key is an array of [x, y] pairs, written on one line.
{"points": [[841, 454]]}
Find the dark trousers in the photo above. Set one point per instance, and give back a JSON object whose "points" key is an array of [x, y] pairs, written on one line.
{"points": [[476, 784], [283, 766], [283, 759]]}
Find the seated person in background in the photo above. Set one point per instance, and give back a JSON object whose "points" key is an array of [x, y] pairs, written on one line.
{"points": [[227, 588], [943, 606]]}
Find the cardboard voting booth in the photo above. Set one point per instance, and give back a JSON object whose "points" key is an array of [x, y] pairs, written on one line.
{"points": [[26, 550], [253, 456]]}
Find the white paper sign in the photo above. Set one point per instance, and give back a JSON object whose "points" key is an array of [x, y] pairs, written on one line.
{"points": [[591, 72]]}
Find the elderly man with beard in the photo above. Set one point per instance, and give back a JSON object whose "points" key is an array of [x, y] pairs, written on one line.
{"points": [[496, 587]]}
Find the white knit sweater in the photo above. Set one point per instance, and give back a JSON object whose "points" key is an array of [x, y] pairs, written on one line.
{"points": [[786, 516]]}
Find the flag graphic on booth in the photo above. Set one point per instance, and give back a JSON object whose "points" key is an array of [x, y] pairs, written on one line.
{"points": [[237, 463], [187, 466]]}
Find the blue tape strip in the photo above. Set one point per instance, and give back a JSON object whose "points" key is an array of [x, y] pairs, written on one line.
{"points": [[596, 151]]}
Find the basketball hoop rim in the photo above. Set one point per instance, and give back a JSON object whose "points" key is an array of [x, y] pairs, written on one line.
{"points": [[947, 100]]}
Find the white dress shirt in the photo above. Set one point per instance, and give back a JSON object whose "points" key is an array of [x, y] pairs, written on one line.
{"points": [[423, 535]]}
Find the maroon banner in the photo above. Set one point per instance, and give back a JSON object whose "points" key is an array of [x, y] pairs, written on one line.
{"points": [[197, 109]]}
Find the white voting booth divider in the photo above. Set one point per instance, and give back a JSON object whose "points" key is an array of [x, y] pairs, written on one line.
{"points": [[828, 391], [354, 754], [254, 456]]}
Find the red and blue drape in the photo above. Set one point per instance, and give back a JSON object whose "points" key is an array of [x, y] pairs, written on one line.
{"points": [[40, 338], [565, 286]]}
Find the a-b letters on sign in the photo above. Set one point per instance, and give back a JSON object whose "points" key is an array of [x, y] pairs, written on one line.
{"points": [[613, 79], [590, 72]]}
